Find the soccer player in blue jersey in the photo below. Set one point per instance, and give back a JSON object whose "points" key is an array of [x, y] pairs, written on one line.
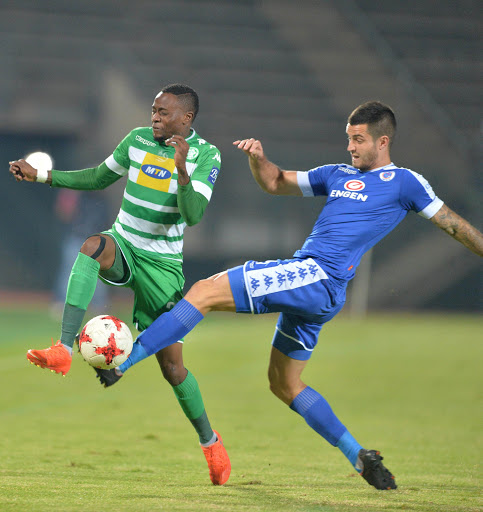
{"points": [[365, 201]]}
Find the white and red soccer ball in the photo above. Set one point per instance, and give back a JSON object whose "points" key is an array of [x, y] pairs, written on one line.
{"points": [[105, 342]]}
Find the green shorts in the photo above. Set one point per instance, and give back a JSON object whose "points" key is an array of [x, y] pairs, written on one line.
{"points": [[157, 283]]}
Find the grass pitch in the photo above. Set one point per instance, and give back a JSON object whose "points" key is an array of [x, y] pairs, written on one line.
{"points": [[408, 385]]}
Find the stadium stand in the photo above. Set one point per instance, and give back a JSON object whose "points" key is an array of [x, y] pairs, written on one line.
{"points": [[281, 71]]}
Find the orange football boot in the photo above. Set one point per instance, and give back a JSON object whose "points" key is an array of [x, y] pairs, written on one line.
{"points": [[55, 358], [218, 461]]}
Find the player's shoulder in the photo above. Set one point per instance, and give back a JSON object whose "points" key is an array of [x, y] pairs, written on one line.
{"points": [[405, 172], [334, 169], [204, 145]]}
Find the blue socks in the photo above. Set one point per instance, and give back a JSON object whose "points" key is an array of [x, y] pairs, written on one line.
{"points": [[350, 448], [167, 329], [318, 414]]}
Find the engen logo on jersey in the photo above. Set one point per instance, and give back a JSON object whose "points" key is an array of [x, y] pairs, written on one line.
{"points": [[354, 185], [352, 190]]}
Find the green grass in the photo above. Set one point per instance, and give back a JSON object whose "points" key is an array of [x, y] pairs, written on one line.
{"points": [[408, 385]]}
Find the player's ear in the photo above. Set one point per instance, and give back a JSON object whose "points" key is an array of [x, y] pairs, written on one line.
{"points": [[189, 116], [384, 142]]}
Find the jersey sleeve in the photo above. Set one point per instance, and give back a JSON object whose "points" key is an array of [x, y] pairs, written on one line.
{"points": [[119, 162], [418, 195], [207, 171], [315, 181], [194, 197], [95, 178]]}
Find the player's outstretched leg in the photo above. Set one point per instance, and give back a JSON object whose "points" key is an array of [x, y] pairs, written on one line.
{"points": [[374, 471], [218, 461], [81, 287], [55, 358]]}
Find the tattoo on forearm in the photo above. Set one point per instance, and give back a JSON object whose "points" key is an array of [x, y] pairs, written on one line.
{"points": [[460, 230]]}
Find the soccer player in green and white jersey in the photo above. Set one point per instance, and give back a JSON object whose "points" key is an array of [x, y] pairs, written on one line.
{"points": [[170, 173]]}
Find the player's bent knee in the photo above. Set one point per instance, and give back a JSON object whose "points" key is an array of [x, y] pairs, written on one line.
{"points": [[278, 388], [203, 294], [100, 248], [93, 246], [170, 361], [172, 372], [281, 393], [284, 390]]}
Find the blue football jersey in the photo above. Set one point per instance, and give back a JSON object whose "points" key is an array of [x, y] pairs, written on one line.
{"points": [[361, 208]]}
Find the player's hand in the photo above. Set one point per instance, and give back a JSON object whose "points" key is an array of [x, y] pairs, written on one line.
{"points": [[181, 153], [251, 147], [181, 149], [22, 171]]}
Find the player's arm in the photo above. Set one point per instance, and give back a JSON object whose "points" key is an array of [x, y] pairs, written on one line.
{"points": [[191, 204], [95, 178], [269, 176], [459, 228]]}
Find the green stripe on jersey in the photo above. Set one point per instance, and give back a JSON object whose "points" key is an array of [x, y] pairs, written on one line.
{"points": [[151, 215], [152, 196], [150, 236]]}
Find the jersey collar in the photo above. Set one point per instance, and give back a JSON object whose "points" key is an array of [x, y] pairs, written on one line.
{"points": [[190, 136], [384, 167]]}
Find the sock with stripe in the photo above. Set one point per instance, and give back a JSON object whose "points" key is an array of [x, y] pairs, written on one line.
{"points": [[318, 414], [189, 397]]}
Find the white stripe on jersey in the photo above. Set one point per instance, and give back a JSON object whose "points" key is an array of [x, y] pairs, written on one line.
{"points": [[151, 206], [304, 184], [432, 209], [153, 228], [133, 174], [190, 168], [137, 155], [157, 246], [202, 188], [114, 166]]}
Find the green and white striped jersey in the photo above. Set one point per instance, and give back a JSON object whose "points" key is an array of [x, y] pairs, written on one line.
{"points": [[149, 217]]}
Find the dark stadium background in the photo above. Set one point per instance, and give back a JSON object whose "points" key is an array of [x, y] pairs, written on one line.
{"points": [[77, 76]]}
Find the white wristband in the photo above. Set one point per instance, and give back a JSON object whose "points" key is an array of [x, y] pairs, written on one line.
{"points": [[42, 175]]}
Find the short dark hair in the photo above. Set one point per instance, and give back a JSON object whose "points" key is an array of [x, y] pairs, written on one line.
{"points": [[188, 96], [380, 119]]}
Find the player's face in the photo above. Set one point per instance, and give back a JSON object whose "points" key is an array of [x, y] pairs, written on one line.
{"points": [[169, 117], [362, 147]]}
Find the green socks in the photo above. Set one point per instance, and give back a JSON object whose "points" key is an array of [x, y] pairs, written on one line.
{"points": [[80, 290], [189, 397]]}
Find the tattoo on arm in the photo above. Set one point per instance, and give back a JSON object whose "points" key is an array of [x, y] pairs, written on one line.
{"points": [[460, 229]]}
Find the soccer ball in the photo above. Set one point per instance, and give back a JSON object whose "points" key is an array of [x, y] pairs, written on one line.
{"points": [[105, 342]]}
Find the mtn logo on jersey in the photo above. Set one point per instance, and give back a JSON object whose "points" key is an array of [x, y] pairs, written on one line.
{"points": [[352, 188], [156, 172]]}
